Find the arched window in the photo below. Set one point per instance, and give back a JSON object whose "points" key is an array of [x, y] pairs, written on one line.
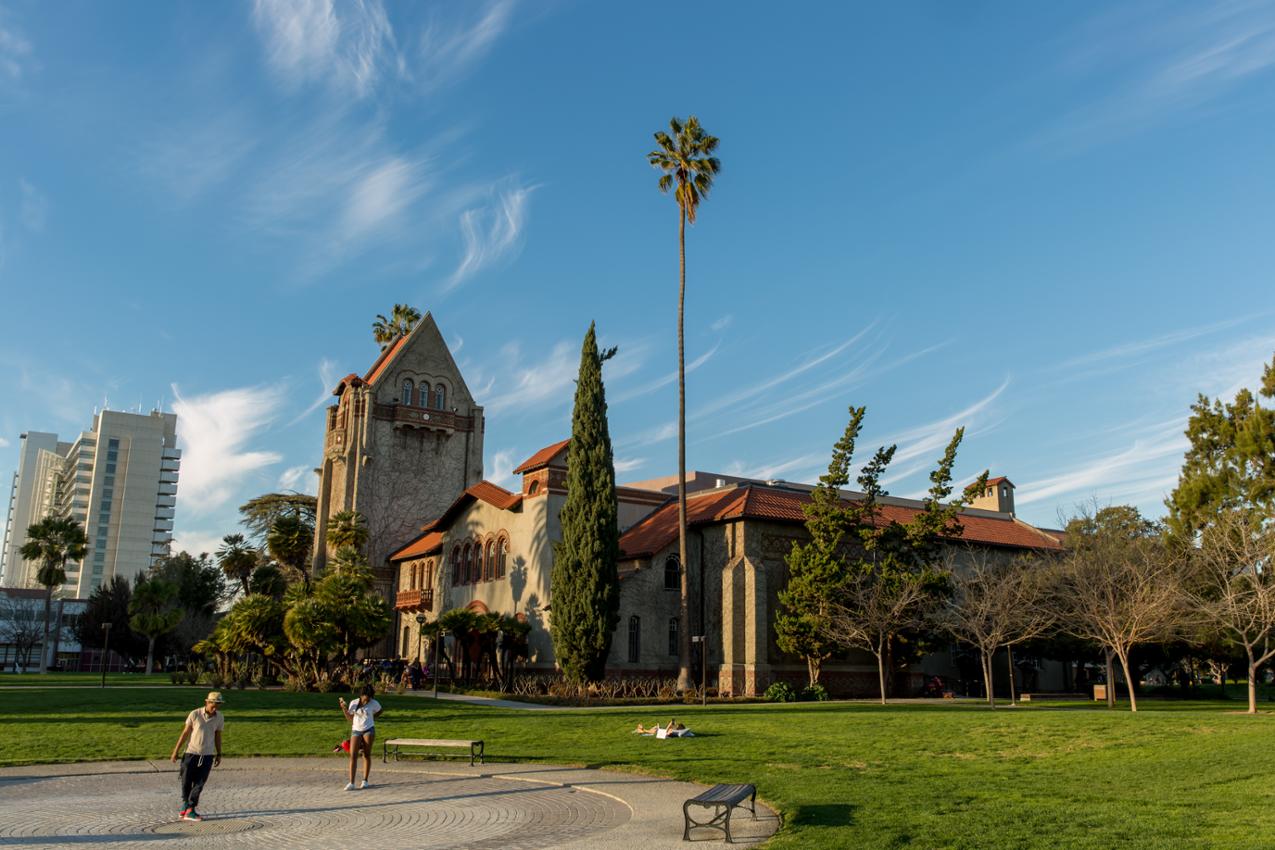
{"points": [[424, 394], [480, 565], [635, 638], [502, 555], [457, 578], [440, 397], [407, 390], [407, 637], [466, 567], [533, 488], [429, 575], [489, 562], [411, 577], [672, 636], [672, 574]]}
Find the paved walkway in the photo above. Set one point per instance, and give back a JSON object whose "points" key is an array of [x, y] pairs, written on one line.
{"points": [[300, 803]]}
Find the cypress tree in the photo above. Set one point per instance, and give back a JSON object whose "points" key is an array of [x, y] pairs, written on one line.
{"points": [[585, 583]]}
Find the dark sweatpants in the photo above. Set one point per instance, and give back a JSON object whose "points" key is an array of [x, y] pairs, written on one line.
{"points": [[194, 773]]}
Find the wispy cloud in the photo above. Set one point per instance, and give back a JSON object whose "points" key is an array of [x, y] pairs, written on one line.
{"points": [[445, 50], [1128, 352], [327, 383], [492, 234], [626, 465], [347, 46], [34, 210], [196, 542], [194, 157], [664, 380], [4, 444], [648, 437], [501, 467], [723, 323], [214, 430], [299, 478], [1131, 471], [800, 468], [1157, 67], [547, 381], [15, 51]]}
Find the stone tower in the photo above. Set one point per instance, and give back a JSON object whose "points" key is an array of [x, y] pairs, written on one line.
{"points": [[401, 444]]}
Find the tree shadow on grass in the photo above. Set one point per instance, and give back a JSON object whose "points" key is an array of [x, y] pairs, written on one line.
{"points": [[822, 815]]}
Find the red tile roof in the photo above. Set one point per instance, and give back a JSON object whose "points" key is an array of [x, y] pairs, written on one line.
{"points": [[490, 493], [659, 529], [998, 480], [382, 363], [427, 543], [542, 457], [350, 380]]}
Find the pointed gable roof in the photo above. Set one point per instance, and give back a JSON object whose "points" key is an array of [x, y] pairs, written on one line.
{"points": [[485, 491], [426, 544], [543, 457]]}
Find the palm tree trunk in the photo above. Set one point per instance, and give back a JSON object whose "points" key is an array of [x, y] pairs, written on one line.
{"points": [[48, 615], [150, 654], [684, 597]]}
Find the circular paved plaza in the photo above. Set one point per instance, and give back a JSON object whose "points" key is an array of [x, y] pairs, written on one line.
{"points": [[301, 803]]}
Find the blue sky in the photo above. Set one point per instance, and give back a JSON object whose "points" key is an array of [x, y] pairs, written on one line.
{"points": [[1048, 223]]}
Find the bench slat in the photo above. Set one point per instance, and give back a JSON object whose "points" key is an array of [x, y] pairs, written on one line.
{"points": [[429, 742], [724, 794]]}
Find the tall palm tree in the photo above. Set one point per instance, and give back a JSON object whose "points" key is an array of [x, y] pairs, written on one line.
{"points": [[289, 540], [53, 541], [347, 528], [685, 155], [237, 559], [400, 323], [153, 612]]}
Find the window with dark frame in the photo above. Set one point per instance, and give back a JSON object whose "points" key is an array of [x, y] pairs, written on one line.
{"points": [[672, 637], [635, 639], [672, 574]]}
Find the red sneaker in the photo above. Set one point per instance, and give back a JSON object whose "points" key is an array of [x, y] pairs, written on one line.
{"points": [[191, 814], [182, 813]]}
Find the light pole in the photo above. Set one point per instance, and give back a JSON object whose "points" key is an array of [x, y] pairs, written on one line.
{"points": [[420, 629], [703, 667], [438, 638], [106, 648]]}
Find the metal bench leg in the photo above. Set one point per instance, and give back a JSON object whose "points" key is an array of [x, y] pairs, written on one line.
{"points": [[385, 752]]}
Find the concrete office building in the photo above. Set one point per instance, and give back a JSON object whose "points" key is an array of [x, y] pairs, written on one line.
{"points": [[118, 480]]}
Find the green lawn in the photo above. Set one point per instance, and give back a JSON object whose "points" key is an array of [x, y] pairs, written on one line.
{"points": [[1176, 775], [62, 680]]}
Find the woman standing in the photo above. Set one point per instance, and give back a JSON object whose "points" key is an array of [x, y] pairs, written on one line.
{"points": [[362, 713]]}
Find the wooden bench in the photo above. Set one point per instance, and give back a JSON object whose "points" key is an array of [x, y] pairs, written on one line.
{"points": [[722, 799], [475, 747]]}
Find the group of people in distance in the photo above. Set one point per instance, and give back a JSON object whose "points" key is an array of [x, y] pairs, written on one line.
{"points": [[202, 736]]}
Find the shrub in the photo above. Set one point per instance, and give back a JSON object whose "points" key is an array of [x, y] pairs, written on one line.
{"points": [[781, 692], [814, 693]]}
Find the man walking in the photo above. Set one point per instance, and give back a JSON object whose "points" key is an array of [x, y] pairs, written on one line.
{"points": [[203, 728]]}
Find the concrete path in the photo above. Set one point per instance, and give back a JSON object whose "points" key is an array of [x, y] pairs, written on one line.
{"points": [[300, 803]]}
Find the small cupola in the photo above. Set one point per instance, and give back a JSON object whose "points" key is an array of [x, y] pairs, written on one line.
{"points": [[998, 496]]}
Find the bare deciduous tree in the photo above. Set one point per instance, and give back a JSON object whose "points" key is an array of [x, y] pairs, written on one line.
{"points": [[1120, 589], [1236, 589], [22, 626], [872, 609], [996, 603]]}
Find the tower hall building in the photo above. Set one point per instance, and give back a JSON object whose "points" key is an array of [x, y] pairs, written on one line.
{"points": [[403, 446], [118, 480]]}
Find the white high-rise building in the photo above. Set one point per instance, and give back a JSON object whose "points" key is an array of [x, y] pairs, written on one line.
{"points": [[118, 480]]}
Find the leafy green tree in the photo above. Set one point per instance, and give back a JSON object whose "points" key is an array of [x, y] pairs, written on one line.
{"points": [[347, 529], [817, 569], [258, 515], [685, 155], [290, 541], [1230, 465], [268, 580], [237, 559], [585, 583], [153, 611], [53, 541], [108, 604], [201, 585], [399, 324]]}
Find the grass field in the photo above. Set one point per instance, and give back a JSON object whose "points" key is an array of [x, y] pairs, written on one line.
{"points": [[1175, 775]]}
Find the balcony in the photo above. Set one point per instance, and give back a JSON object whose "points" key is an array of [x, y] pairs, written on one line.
{"points": [[410, 416], [334, 442], [167, 465], [166, 502], [166, 489], [415, 600], [163, 525], [167, 477], [164, 513]]}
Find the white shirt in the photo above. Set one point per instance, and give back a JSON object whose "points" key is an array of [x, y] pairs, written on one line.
{"points": [[203, 729], [364, 715]]}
